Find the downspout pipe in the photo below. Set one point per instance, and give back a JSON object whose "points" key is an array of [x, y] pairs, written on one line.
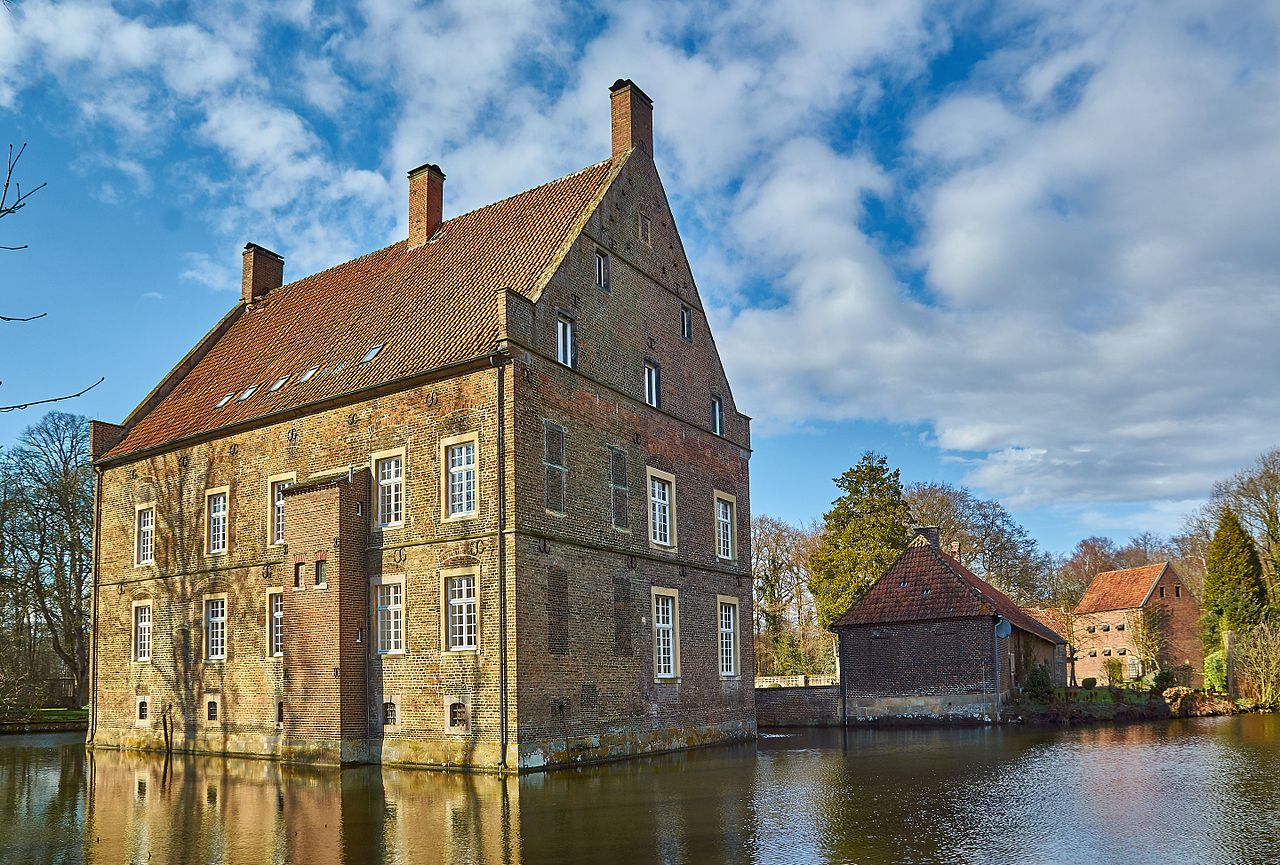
{"points": [[93, 614], [499, 362]]}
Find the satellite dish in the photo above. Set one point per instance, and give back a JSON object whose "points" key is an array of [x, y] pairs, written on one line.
{"points": [[1003, 628]]}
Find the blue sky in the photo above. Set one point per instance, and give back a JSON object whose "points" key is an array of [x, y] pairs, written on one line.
{"points": [[1028, 248]]}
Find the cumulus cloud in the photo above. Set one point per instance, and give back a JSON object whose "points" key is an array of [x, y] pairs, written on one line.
{"points": [[1076, 293]]}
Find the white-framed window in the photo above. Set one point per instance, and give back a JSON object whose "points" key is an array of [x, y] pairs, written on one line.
{"points": [[728, 630], [389, 597], [142, 631], [248, 392], [279, 383], [662, 508], [725, 505], [460, 484], [216, 520], [644, 229], [686, 323], [390, 475], [226, 399], [215, 627], [619, 488], [460, 594], [555, 496], [652, 384], [275, 623], [565, 336], [146, 534], [666, 633], [717, 416], [277, 484], [602, 269]]}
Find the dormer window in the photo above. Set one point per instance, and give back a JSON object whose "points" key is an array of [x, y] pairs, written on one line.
{"points": [[309, 374], [279, 383], [371, 353], [226, 399]]}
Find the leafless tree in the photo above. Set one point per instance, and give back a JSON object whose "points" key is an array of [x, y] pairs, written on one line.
{"points": [[788, 639], [1257, 663], [1254, 495], [13, 199], [48, 532], [1149, 628]]}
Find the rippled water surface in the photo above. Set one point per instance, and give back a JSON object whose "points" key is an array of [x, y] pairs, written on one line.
{"points": [[1202, 791]]}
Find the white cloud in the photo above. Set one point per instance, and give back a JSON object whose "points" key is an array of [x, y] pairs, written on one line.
{"points": [[1082, 308]]}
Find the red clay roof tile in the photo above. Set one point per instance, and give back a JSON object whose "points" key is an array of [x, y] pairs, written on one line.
{"points": [[925, 583], [1120, 590], [429, 307]]}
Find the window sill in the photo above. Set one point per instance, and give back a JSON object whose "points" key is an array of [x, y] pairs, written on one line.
{"points": [[215, 554], [396, 654], [299, 588], [150, 564], [734, 678], [146, 661], [221, 660], [460, 518], [322, 587], [622, 530], [466, 651], [552, 513], [276, 656], [666, 680]]}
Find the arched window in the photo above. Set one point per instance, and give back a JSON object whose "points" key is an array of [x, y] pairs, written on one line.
{"points": [[212, 710], [457, 714], [143, 708], [388, 714]]}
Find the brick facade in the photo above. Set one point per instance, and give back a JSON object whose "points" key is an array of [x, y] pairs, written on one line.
{"points": [[1102, 634], [564, 597]]}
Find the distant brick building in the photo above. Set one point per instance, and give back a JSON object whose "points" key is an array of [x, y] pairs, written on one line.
{"points": [[922, 641], [479, 499], [1110, 615]]}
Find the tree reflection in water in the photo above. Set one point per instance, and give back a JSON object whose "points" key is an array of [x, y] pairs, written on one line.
{"points": [[1100, 795]]}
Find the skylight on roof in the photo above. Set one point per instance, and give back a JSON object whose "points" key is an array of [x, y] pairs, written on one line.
{"points": [[248, 392], [226, 399], [279, 383], [371, 353], [306, 376]]}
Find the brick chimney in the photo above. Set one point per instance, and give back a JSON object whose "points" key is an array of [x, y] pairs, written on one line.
{"points": [[263, 271], [929, 533], [426, 203], [632, 118]]}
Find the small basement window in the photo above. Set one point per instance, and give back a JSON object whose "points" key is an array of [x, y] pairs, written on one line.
{"points": [[211, 710], [248, 392], [226, 399], [279, 383], [388, 714], [309, 374], [457, 714], [371, 354]]}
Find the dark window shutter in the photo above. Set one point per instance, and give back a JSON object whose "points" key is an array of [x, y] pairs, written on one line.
{"points": [[622, 615], [557, 473], [557, 611], [619, 496]]}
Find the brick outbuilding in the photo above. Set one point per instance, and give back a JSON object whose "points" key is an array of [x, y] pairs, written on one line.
{"points": [[1118, 605], [922, 642], [478, 499]]}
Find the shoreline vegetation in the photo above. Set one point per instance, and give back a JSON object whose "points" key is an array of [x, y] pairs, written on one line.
{"points": [[1080, 707]]}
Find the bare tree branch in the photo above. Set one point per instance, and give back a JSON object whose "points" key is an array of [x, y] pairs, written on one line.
{"points": [[4, 408], [28, 318]]}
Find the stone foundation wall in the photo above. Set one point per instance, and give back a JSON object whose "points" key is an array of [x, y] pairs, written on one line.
{"points": [[923, 708]]}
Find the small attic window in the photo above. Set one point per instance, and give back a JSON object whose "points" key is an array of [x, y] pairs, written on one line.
{"points": [[226, 399], [371, 353], [902, 585], [279, 383], [309, 374], [338, 368], [248, 392]]}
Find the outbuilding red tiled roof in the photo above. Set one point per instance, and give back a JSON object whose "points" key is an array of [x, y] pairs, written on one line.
{"points": [[925, 583], [1054, 620], [1120, 590], [428, 307]]}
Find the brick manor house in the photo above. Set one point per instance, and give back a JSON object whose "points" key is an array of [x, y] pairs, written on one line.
{"points": [[478, 499]]}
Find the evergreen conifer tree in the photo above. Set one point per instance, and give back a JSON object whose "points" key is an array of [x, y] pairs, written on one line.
{"points": [[1235, 594], [863, 533]]}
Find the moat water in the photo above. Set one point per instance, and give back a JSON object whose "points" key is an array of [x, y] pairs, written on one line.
{"points": [[1195, 791]]}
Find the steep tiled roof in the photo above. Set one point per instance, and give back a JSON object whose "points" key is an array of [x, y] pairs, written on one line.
{"points": [[1054, 620], [429, 307], [1120, 590], [925, 583]]}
